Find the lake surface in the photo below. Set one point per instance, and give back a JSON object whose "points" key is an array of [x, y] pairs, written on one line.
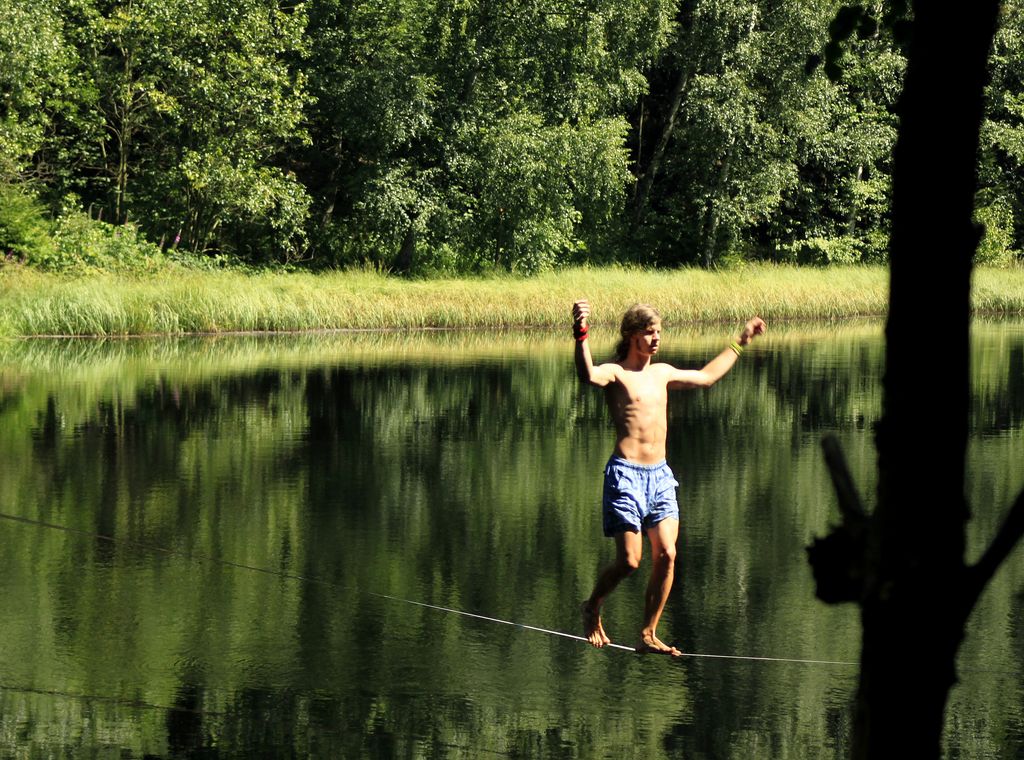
{"points": [[231, 539]]}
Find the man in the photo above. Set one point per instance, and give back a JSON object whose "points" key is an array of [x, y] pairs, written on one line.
{"points": [[639, 488]]}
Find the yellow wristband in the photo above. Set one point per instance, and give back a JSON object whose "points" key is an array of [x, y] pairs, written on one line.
{"points": [[737, 348]]}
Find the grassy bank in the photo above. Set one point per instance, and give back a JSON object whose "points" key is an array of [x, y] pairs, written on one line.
{"points": [[179, 302]]}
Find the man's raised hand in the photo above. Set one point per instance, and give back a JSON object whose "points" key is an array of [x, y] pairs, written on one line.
{"points": [[580, 312], [755, 326]]}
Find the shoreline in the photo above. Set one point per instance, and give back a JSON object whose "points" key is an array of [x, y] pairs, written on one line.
{"points": [[36, 304], [426, 330]]}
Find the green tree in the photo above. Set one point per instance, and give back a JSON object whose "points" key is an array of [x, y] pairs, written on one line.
{"points": [[35, 79], [175, 114], [838, 212], [1000, 203], [741, 152], [198, 102], [473, 133]]}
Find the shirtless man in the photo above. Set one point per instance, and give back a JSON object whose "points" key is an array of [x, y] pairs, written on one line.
{"points": [[639, 487]]}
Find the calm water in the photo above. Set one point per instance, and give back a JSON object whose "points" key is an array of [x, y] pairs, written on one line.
{"points": [[233, 510]]}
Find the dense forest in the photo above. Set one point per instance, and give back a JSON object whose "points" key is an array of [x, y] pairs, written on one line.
{"points": [[466, 135]]}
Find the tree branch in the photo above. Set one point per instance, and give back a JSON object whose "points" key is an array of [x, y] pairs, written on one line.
{"points": [[850, 505], [837, 560], [1010, 532]]}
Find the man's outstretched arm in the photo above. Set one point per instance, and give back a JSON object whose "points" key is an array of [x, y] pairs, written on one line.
{"points": [[585, 369], [716, 369]]}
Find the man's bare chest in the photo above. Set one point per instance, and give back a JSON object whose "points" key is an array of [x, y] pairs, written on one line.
{"points": [[641, 392]]}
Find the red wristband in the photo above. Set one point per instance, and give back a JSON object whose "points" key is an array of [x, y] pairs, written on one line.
{"points": [[580, 333]]}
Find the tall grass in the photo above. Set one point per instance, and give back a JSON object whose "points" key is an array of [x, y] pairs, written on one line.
{"points": [[181, 301]]}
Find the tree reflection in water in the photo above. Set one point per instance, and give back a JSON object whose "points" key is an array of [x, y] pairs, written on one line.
{"points": [[454, 472]]}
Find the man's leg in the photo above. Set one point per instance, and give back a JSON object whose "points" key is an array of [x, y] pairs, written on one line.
{"points": [[628, 550], [663, 537]]}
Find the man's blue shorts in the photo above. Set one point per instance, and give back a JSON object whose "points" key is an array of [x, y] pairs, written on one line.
{"points": [[637, 495]]}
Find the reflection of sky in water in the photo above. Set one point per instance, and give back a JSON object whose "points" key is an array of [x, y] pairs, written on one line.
{"points": [[456, 471]]}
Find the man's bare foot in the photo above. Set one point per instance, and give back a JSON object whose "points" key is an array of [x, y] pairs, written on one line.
{"points": [[651, 644], [592, 627]]}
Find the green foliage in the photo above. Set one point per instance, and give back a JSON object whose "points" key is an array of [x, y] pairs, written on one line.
{"points": [[440, 136], [25, 227], [74, 242], [856, 21], [472, 134], [996, 246], [1001, 166], [766, 156], [172, 114], [822, 251], [83, 243], [533, 183], [35, 75], [262, 203]]}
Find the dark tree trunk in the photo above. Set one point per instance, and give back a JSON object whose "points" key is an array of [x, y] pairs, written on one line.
{"points": [[714, 215], [914, 609], [331, 188], [851, 218], [404, 260], [647, 179], [904, 563]]}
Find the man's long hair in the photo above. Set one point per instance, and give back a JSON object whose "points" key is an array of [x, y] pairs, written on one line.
{"points": [[637, 318]]}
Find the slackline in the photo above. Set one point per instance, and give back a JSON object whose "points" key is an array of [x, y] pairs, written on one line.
{"points": [[450, 610]]}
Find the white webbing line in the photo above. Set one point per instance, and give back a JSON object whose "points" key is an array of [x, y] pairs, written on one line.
{"points": [[307, 579], [612, 645]]}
